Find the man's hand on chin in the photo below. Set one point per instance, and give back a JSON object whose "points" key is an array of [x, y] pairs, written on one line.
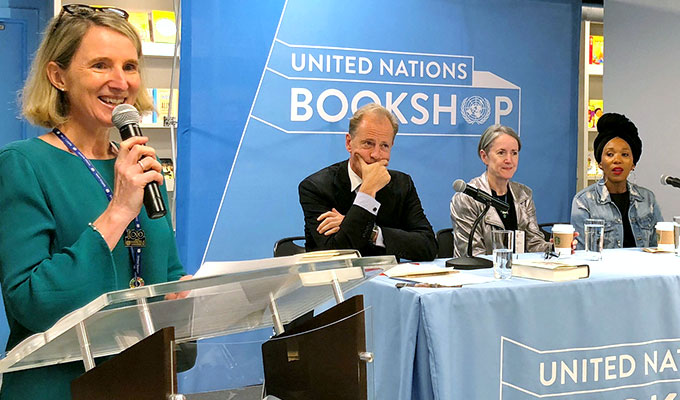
{"points": [[374, 176]]}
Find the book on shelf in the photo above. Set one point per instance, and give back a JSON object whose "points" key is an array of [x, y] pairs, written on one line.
{"points": [[548, 270], [595, 111], [593, 171], [596, 47], [163, 26], [150, 117], [162, 103], [140, 20], [168, 171], [161, 106]]}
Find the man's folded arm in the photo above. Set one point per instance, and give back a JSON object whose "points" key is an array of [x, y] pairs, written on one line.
{"points": [[355, 230]]}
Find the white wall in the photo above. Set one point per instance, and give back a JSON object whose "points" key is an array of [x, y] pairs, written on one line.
{"points": [[642, 81]]}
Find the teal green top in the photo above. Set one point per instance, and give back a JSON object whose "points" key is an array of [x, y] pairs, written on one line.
{"points": [[52, 262]]}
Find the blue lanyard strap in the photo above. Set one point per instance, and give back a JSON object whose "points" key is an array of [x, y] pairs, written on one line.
{"points": [[135, 252]]}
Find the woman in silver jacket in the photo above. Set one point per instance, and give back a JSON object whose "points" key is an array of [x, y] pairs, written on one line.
{"points": [[499, 149]]}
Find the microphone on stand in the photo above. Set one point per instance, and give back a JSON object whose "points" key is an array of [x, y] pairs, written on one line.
{"points": [[470, 261], [125, 117], [481, 196], [669, 180]]}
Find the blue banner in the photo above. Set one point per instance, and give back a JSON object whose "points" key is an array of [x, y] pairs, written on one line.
{"points": [[267, 91]]}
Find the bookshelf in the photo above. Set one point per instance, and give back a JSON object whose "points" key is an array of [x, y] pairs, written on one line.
{"points": [[590, 91]]}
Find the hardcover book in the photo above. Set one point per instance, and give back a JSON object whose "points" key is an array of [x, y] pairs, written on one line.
{"points": [[547, 270]]}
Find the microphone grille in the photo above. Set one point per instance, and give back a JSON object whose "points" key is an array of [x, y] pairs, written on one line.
{"points": [[663, 180], [459, 185], [124, 114]]}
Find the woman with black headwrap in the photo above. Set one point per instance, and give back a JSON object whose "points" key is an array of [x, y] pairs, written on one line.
{"points": [[629, 211]]}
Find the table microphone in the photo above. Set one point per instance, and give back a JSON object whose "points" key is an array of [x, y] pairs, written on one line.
{"points": [[669, 180], [125, 117], [481, 196]]}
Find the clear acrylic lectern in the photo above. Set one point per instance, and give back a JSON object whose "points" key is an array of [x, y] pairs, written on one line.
{"points": [[271, 293]]}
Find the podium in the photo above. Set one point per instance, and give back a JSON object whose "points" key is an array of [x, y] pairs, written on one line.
{"points": [[139, 328]]}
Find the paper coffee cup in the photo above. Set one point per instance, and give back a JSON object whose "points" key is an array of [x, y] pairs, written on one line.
{"points": [[563, 235], [665, 237]]}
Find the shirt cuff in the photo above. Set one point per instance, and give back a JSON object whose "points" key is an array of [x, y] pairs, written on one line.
{"points": [[371, 205], [367, 202]]}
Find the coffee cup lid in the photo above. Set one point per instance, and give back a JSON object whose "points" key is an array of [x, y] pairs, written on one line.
{"points": [[563, 228], [664, 226]]}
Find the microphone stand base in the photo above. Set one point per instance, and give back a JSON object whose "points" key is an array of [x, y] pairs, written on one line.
{"points": [[469, 263]]}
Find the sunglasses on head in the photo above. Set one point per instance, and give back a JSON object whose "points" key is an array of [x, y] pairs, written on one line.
{"points": [[83, 10]]}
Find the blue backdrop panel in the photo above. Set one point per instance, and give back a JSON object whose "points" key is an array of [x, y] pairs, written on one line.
{"points": [[222, 58], [267, 91]]}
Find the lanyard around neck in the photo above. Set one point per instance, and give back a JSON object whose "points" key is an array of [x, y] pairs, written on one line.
{"points": [[135, 252]]}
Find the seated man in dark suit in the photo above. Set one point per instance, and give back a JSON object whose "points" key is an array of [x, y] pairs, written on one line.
{"points": [[360, 204]]}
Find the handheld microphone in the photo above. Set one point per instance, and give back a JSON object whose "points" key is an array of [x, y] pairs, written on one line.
{"points": [[125, 117], [481, 196], [669, 180]]}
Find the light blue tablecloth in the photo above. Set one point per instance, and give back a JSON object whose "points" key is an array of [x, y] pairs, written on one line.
{"points": [[615, 335]]}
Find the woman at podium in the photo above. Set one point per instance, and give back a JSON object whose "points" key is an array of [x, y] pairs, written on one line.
{"points": [[71, 200], [498, 148]]}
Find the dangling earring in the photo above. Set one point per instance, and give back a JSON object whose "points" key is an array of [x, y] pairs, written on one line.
{"points": [[632, 177]]}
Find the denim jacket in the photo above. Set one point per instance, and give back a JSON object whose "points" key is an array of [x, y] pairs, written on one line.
{"points": [[465, 209], [595, 202]]}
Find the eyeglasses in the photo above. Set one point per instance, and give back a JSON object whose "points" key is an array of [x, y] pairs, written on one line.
{"points": [[550, 253], [83, 10], [86, 11]]}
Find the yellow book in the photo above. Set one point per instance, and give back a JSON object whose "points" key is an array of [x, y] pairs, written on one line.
{"points": [[140, 20], [163, 26], [168, 173], [595, 110], [163, 105]]}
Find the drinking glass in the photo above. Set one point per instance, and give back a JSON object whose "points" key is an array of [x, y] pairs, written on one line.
{"points": [[503, 243], [594, 238]]}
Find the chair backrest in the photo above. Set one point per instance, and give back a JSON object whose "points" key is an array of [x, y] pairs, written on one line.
{"points": [[288, 247], [547, 233], [445, 242]]}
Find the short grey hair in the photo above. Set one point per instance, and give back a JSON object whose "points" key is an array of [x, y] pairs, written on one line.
{"points": [[492, 133], [371, 108]]}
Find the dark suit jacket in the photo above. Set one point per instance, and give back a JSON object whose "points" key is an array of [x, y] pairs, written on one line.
{"points": [[405, 229]]}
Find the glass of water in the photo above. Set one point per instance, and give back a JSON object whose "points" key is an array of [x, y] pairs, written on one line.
{"points": [[594, 238], [676, 230], [503, 243]]}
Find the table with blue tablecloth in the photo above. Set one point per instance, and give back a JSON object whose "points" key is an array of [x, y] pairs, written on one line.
{"points": [[614, 335]]}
